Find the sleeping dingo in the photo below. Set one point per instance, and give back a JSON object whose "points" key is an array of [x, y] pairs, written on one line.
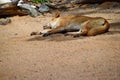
{"points": [[75, 26]]}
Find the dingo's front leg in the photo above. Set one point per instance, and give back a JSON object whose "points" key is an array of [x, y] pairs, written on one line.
{"points": [[74, 34], [47, 32], [53, 31], [35, 33], [39, 33]]}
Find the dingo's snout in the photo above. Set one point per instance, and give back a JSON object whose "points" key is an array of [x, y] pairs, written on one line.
{"points": [[47, 26]]}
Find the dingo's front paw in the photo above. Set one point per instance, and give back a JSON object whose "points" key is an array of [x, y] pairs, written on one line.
{"points": [[45, 34], [76, 35], [33, 33]]}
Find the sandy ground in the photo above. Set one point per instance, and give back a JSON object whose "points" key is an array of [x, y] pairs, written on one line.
{"points": [[59, 57]]}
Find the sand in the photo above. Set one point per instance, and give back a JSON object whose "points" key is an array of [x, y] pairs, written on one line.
{"points": [[59, 57]]}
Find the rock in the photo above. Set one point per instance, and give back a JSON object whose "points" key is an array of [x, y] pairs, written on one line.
{"points": [[86, 6], [109, 5], [4, 1], [33, 12], [43, 8], [4, 21], [93, 1], [58, 1], [15, 1], [69, 5], [9, 9], [17, 7]]}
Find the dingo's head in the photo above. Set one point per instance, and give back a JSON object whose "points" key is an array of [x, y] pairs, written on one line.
{"points": [[54, 22]]}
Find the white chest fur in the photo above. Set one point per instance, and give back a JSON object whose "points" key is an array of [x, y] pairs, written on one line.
{"points": [[55, 23]]}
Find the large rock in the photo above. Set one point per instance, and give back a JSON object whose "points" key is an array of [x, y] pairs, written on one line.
{"points": [[43, 8], [9, 9], [32, 11]]}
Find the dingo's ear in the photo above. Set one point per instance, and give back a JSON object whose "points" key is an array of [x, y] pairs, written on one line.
{"points": [[57, 14]]}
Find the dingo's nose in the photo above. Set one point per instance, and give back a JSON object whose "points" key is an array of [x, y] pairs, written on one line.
{"points": [[45, 26]]}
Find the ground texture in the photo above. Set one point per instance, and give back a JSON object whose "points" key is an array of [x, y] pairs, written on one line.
{"points": [[59, 57]]}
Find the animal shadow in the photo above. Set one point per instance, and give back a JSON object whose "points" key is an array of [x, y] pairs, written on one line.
{"points": [[54, 37]]}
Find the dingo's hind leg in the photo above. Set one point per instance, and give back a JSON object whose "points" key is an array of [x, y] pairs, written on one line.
{"points": [[74, 34], [97, 26], [98, 29], [77, 34]]}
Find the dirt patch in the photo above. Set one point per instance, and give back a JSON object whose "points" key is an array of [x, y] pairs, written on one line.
{"points": [[59, 57]]}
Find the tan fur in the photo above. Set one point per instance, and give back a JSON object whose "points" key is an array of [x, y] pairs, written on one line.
{"points": [[77, 25]]}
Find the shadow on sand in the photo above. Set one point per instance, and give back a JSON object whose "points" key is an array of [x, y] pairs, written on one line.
{"points": [[55, 37]]}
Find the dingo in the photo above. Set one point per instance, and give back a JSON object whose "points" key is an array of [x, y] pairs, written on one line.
{"points": [[75, 25]]}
